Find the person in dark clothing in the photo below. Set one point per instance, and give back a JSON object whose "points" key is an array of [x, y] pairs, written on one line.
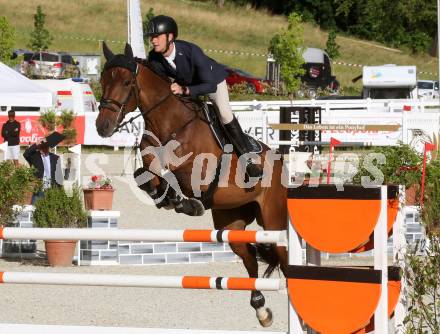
{"points": [[11, 134], [47, 165], [195, 74]]}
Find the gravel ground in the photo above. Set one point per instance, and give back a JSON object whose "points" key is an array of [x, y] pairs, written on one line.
{"points": [[136, 307]]}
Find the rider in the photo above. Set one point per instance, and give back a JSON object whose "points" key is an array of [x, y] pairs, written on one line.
{"points": [[195, 74]]}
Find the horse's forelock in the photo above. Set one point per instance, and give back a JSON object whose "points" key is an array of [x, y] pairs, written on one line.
{"points": [[121, 61]]}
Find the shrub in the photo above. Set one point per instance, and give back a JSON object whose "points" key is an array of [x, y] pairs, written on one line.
{"points": [[48, 120], [14, 183], [57, 209]]}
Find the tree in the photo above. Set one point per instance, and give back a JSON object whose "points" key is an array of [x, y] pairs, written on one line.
{"points": [[332, 48], [288, 52], [7, 40], [40, 37]]}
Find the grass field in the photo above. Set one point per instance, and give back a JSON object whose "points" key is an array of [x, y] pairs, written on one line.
{"points": [[77, 26]]}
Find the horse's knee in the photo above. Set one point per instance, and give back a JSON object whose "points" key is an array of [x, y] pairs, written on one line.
{"points": [[143, 180]]}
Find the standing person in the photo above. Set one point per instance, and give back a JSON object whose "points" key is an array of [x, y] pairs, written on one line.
{"points": [[11, 134], [195, 74], [47, 164]]}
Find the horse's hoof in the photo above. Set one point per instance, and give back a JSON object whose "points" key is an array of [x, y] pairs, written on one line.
{"points": [[190, 207], [265, 316], [198, 208]]}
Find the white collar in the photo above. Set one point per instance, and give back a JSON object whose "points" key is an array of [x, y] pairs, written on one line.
{"points": [[172, 56]]}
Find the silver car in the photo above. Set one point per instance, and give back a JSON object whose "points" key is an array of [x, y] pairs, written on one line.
{"points": [[53, 65]]}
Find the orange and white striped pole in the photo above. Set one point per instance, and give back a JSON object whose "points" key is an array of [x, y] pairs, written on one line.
{"points": [[272, 237], [179, 282]]}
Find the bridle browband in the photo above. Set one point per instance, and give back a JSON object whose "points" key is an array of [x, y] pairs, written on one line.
{"points": [[111, 103]]}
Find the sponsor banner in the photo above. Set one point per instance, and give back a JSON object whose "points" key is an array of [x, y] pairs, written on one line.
{"points": [[354, 126], [31, 129], [350, 133], [251, 123]]}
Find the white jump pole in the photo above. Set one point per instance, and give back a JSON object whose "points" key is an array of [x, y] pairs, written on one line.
{"points": [[178, 282], [273, 237]]}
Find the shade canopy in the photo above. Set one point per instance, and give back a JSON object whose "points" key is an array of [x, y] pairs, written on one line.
{"points": [[17, 90]]}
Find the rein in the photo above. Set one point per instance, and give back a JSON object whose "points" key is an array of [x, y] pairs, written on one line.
{"points": [[134, 87]]}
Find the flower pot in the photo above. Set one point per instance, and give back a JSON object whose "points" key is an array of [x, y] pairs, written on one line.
{"points": [[98, 199], [27, 198], [60, 252], [411, 195]]}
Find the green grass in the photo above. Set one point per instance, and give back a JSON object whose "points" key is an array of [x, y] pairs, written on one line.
{"points": [[229, 28]]}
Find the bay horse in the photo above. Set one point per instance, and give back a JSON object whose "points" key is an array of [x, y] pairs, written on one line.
{"points": [[129, 83]]}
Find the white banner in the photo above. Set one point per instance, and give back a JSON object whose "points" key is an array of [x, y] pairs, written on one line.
{"points": [[415, 127]]}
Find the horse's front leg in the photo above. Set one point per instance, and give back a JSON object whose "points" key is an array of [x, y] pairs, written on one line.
{"points": [[155, 186]]}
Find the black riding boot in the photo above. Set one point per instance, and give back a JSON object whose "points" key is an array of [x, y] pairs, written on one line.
{"points": [[242, 145]]}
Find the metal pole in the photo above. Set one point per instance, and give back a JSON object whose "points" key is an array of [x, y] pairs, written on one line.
{"points": [[178, 282], [273, 237]]}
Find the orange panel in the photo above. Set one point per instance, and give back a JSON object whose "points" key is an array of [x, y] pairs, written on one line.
{"points": [[334, 225], [334, 307], [1, 233], [393, 297], [1, 277], [392, 208]]}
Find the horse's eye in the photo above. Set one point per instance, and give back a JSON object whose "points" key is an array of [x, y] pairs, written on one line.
{"points": [[126, 82]]}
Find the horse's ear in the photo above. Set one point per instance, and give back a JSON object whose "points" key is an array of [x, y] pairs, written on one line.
{"points": [[108, 54], [128, 51]]}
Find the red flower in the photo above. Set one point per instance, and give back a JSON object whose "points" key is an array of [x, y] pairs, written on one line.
{"points": [[94, 178]]}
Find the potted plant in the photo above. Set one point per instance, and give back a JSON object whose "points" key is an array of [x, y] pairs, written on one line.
{"points": [[66, 119], [48, 120], [56, 209], [16, 184], [99, 193], [402, 166]]}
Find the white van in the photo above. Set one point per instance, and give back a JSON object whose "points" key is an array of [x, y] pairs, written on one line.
{"points": [[389, 82], [428, 89], [71, 94]]}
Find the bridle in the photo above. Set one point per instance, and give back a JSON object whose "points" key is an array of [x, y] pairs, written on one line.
{"points": [[134, 88]]}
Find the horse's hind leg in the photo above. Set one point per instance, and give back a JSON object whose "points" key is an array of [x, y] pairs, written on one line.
{"points": [[238, 219]]}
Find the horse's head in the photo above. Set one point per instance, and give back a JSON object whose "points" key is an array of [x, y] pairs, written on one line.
{"points": [[120, 92]]}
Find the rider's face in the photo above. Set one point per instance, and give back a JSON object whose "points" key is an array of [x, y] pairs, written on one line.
{"points": [[159, 43]]}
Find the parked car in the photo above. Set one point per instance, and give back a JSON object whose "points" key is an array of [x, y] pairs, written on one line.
{"points": [[428, 89], [318, 71], [23, 66], [236, 76], [53, 65]]}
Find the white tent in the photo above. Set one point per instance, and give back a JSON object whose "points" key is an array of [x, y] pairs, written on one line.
{"points": [[17, 90]]}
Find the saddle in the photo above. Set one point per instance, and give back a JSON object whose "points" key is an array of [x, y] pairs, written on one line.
{"points": [[211, 113]]}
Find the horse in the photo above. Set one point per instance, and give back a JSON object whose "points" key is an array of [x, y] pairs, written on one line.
{"points": [[129, 83]]}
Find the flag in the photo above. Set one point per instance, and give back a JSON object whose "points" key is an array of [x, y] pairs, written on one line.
{"points": [[334, 142], [429, 147]]}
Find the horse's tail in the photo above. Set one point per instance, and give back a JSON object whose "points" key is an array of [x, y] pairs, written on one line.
{"points": [[267, 254]]}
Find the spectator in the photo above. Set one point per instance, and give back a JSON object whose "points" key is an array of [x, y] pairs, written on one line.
{"points": [[47, 164], [11, 134]]}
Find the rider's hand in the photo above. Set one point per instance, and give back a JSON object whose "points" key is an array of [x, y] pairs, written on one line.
{"points": [[176, 89]]}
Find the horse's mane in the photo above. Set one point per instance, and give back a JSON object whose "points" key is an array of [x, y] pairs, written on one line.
{"points": [[123, 61]]}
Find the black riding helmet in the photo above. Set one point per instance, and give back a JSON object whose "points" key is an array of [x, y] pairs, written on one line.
{"points": [[162, 24]]}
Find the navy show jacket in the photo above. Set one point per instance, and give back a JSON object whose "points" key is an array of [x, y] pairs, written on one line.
{"points": [[194, 69]]}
